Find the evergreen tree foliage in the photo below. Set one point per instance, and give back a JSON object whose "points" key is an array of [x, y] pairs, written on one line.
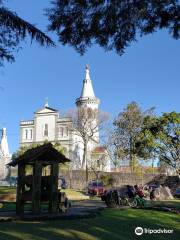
{"points": [[113, 24]]}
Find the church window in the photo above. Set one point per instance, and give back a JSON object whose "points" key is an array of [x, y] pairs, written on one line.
{"points": [[98, 163], [26, 133], [31, 133], [61, 131], [46, 130], [67, 131]]}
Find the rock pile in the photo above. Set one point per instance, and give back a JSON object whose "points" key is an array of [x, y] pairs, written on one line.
{"points": [[163, 193], [172, 182]]}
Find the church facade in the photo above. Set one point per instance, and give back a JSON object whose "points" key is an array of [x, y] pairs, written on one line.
{"points": [[48, 125]]}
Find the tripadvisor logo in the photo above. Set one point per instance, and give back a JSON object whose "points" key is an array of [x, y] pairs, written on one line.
{"points": [[140, 231]]}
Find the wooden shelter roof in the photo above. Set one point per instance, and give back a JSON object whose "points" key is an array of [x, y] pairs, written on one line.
{"points": [[45, 152]]}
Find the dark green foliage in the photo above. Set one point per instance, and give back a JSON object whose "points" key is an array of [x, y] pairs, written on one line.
{"points": [[112, 24], [23, 149], [161, 137], [14, 29], [129, 125], [168, 139]]}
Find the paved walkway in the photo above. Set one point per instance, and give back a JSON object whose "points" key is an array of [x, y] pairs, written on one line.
{"points": [[79, 209]]}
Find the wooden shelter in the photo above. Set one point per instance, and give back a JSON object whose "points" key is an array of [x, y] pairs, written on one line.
{"points": [[35, 187]]}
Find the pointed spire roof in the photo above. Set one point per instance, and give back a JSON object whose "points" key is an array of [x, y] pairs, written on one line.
{"points": [[4, 144], [87, 94], [87, 90]]}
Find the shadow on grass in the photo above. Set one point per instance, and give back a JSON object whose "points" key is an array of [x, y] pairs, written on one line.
{"points": [[111, 224]]}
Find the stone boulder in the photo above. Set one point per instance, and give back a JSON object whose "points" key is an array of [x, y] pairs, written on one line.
{"points": [[163, 193]]}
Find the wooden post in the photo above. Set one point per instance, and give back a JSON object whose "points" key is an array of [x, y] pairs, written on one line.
{"points": [[53, 202], [20, 189], [36, 187]]}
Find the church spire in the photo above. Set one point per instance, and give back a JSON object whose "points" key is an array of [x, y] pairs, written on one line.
{"points": [[87, 96], [87, 76], [4, 143], [87, 90]]}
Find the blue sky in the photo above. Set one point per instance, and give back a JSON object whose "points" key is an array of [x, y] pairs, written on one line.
{"points": [[148, 73]]}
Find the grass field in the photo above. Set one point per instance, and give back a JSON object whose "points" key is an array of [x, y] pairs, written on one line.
{"points": [[7, 189], [75, 195], [71, 194], [167, 203], [111, 224], [6, 206]]}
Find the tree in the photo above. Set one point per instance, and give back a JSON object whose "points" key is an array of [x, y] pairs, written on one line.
{"points": [[87, 123], [112, 24], [13, 29], [25, 148], [114, 147], [146, 145], [129, 124], [162, 137]]}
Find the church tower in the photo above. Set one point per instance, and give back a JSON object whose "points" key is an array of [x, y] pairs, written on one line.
{"points": [[4, 144], [87, 100], [87, 97], [4, 156]]}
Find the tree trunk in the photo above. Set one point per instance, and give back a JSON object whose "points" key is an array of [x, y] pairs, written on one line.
{"points": [[84, 162], [84, 156], [153, 166], [86, 173], [131, 156]]}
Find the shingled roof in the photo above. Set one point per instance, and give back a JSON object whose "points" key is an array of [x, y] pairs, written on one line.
{"points": [[44, 152], [99, 149]]}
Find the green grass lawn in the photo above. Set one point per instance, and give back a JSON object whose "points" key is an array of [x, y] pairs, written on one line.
{"points": [[71, 194], [11, 206], [167, 203], [75, 194], [7, 189], [110, 225]]}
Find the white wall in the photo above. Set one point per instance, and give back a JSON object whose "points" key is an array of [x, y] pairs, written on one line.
{"points": [[40, 121], [28, 138]]}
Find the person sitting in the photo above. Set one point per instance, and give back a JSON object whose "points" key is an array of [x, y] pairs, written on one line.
{"points": [[64, 203], [152, 193], [139, 191], [130, 191]]}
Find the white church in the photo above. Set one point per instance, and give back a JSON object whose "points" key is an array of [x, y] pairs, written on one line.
{"points": [[49, 125]]}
